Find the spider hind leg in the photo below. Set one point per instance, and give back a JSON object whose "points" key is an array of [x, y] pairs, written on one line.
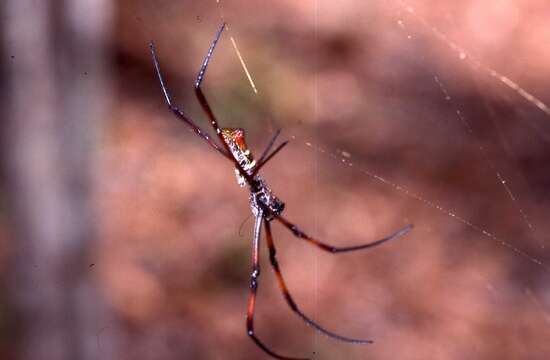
{"points": [[334, 249], [290, 301], [254, 277]]}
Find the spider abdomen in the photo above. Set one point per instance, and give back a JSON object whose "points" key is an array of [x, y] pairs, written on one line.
{"points": [[262, 197]]}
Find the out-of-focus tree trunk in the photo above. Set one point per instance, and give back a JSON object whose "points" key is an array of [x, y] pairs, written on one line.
{"points": [[55, 92]]}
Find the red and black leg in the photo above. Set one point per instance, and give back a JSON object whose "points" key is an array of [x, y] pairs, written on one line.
{"points": [[334, 249], [254, 277], [290, 301], [206, 107], [179, 113]]}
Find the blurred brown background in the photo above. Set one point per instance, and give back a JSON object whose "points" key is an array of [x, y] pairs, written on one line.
{"points": [[123, 236]]}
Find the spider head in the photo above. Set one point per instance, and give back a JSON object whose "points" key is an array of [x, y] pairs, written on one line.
{"points": [[237, 144], [235, 139]]}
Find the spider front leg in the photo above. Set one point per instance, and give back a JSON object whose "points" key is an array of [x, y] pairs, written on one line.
{"points": [[264, 159], [333, 249], [266, 156], [269, 145], [290, 300], [180, 114], [208, 110], [254, 277]]}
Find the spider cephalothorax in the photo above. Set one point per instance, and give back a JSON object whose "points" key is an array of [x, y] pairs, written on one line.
{"points": [[264, 204], [234, 138]]}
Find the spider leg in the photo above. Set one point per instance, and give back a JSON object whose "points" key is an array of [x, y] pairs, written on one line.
{"points": [[254, 288], [269, 145], [180, 114], [333, 249], [206, 107], [290, 300], [263, 162]]}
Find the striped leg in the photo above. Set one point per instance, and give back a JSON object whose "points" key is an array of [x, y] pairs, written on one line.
{"points": [[254, 288], [333, 249], [208, 110], [290, 300], [180, 114]]}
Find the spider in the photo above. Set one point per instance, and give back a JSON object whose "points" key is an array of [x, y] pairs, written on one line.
{"points": [[265, 206]]}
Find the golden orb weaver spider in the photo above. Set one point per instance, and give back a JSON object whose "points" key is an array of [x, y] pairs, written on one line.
{"points": [[265, 206]]}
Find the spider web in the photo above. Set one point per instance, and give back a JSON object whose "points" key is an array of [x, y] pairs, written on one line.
{"points": [[412, 26], [474, 64], [411, 116]]}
